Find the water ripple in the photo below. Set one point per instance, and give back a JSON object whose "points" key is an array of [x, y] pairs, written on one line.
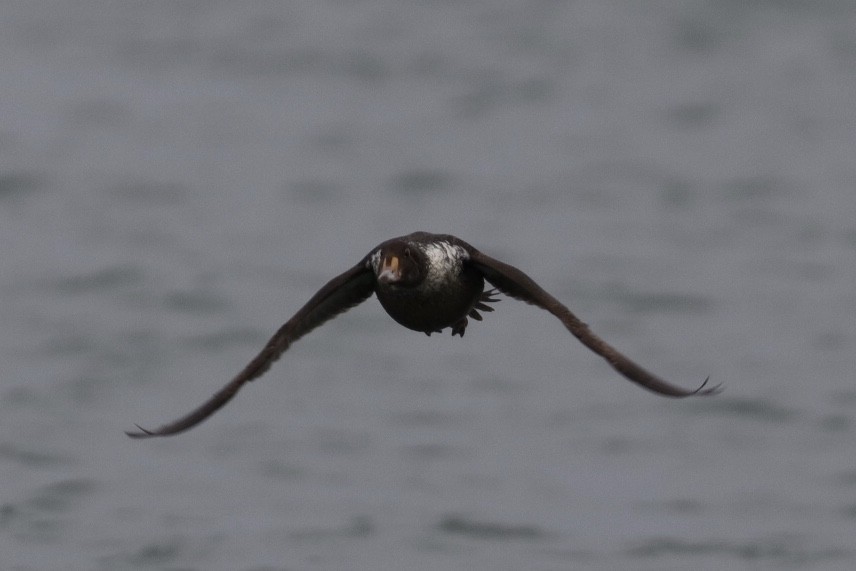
{"points": [[782, 550], [454, 524]]}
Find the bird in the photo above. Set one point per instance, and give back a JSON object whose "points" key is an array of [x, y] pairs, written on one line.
{"points": [[428, 283]]}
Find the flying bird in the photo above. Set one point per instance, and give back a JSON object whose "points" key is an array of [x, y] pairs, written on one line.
{"points": [[426, 282]]}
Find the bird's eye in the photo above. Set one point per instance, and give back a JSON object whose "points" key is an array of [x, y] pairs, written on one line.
{"points": [[407, 252]]}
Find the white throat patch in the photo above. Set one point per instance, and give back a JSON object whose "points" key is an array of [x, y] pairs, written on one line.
{"points": [[444, 262]]}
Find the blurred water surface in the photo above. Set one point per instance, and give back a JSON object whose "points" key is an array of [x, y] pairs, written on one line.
{"points": [[176, 179]]}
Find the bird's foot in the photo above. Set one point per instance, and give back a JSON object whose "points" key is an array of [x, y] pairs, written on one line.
{"points": [[460, 327]]}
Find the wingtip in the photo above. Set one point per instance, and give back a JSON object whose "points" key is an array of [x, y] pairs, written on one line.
{"points": [[140, 433], [709, 391]]}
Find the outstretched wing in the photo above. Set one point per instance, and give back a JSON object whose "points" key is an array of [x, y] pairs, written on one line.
{"points": [[338, 295], [518, 285]]}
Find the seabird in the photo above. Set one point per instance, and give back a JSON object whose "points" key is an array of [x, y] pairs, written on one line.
{"points": [[426, 282]]}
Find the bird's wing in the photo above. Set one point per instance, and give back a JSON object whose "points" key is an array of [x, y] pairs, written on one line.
{"points": [[338, 295], [518, 285]]}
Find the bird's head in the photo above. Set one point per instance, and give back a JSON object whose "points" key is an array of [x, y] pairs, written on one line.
{"points": [[401, 264]]}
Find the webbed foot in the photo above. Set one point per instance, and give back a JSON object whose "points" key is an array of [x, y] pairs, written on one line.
{"points": [[460, 327]]}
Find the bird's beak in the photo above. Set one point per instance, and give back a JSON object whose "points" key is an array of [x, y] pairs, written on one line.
{"points": [[389, 271]]}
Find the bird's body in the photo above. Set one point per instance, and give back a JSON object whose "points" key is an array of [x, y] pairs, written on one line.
{"points": [[425, 282], [449, 289]]}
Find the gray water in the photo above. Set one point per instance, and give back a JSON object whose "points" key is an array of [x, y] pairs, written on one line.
{"points": [[177, 178]]}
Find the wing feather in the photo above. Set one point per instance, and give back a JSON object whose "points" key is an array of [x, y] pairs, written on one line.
{"points": [[337, 296], [516, 284]]}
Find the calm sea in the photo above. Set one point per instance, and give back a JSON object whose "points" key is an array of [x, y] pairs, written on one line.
{"points": [[178, 178]]}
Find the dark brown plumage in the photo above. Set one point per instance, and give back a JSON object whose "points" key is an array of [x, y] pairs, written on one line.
{"points": [[426, 282]]}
